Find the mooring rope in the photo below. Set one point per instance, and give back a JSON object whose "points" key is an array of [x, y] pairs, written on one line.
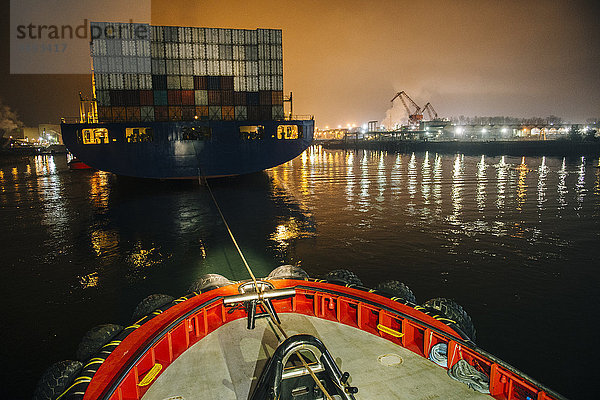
{"points": [[258, 290]]}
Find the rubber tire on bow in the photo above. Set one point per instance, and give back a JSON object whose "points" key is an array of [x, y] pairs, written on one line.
{"points": [[397, 289], [56, 379], [209, 282], [150, 304], [344, 277], [95, 338], [452, 310], [288, 272]]}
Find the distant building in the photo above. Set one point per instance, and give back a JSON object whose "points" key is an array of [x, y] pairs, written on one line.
{"points": [[49, 133]]}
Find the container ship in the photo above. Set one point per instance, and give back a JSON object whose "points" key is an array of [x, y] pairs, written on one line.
{"points": [[186, 102]]}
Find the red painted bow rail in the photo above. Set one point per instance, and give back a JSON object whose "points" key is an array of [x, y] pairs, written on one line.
{"points": [[168, 335]]}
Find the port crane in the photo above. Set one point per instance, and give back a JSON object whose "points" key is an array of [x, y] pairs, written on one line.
{"points": [[414, 117], [433, 115]]}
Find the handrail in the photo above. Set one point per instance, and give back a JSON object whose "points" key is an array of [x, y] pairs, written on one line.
{"points": [[171, 332], [306, 117]]}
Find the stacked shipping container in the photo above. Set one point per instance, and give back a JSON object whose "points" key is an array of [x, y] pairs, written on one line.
{"points": [[166, 73]]}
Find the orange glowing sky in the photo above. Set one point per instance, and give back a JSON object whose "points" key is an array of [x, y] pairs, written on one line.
{"points": [[344, 60]]}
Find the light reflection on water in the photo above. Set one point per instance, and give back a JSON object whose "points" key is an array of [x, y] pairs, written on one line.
{"points": [[498, 234]]}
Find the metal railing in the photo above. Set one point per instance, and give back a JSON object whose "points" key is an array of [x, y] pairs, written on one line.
{"points": [[299, 117]]}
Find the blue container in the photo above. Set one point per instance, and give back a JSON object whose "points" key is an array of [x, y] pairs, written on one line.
{"points": [[253, 99], [160, 98], [159, 82], [214, 83]]}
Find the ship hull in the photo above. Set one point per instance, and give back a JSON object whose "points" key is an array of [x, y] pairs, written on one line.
{"points": [[225, 152]]}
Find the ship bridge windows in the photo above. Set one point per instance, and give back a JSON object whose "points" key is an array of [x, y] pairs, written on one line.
{"points": [[289, 132], [254, 132], [93, 136], [195, 133], [139, 135]]}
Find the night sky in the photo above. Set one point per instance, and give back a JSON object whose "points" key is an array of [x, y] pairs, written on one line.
{"points": [[345, 60]]}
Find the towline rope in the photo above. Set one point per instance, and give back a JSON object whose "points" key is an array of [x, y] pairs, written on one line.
{"points": [[273, 319], [233, 237]]}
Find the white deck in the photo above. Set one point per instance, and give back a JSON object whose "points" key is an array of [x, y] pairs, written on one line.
{"points": [[227, 363]]}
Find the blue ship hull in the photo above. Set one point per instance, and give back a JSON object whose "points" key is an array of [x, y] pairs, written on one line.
{"points": [[226, 152]]}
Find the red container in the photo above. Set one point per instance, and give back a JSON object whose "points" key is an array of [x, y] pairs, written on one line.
{"points": [[133, 114], [277, 97], [265, 97], [200, 83], [227, 83], [188, 113], [146, 98], [175, 113], [132, 97], [161, 113], [253, 112], [187, 97], [214, 97], [227, 113], [202, 112], [119, 114], [266, 113], [117, 97], [105, 114], [227, 97], [174, 97], [239, 98]]}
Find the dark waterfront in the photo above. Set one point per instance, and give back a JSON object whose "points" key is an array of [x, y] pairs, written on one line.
{"points": [[514, 241]]}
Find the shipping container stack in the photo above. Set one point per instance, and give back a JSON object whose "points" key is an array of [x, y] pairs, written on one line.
{"points": [[165, 73]]}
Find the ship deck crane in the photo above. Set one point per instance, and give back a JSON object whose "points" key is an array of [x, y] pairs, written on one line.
{"points": [[413, 117]]}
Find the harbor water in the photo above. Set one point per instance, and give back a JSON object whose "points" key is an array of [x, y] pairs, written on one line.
{"points": [[514, 240]]}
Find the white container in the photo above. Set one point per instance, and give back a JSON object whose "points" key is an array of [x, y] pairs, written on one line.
{"points": [[198, 35], [184, 34], [201, 97], [116, 81], [99, 47], [186, 51], [212, 52], [198, 51], [171, 34], [226, 52], [159, 67], [145, 81], [172, 67], [143, 48], [147, 65], [157, 50], [113, 47], [130, 82], [241, 113], [173, 82], [212, 35], [187, 67], [103, 97], [101, 81], [279, 82], [187, 82], [157, 33]]}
